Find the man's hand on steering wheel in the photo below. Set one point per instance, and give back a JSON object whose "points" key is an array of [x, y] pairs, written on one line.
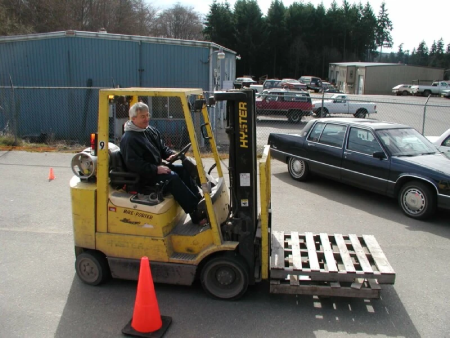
{"points": [[172, 158]]}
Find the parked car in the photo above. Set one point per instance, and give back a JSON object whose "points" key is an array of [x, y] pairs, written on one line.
{"points": [[446, 93], [292, 104], [436, 88], [292, 84], [340, 104], [312, 82], [243, 82], [329, 88], [271, 83], [442, 142], [258, 88], [402, 89], [382, 157]]}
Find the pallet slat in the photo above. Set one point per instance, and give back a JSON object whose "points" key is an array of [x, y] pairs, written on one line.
{"points": [[329, 256], [346, 259], [362, 258], [312, 254], [296, 257], [377, 254], [277, 258], [325, 290]]}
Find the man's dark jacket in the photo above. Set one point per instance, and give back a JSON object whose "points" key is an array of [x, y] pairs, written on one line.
{"points": [[143, 152]]}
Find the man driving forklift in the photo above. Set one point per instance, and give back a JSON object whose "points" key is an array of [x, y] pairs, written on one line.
{"points": [[143, 151]]}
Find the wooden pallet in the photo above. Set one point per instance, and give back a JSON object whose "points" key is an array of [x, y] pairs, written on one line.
{"points": [[323, 264]]}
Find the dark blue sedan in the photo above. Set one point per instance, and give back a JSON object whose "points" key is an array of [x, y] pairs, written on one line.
{"points": [[387, 158]]}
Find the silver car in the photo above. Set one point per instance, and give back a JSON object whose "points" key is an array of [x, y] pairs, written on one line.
{"points": [[402, 89]]}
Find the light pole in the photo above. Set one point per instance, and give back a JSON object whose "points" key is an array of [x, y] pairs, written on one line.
{"points": [[219, 73], [219, 70]]}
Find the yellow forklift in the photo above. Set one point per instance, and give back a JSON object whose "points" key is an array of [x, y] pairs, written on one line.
{"points": [[114, 227]]}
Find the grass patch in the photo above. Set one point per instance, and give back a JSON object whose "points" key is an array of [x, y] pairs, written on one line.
{"points": [[9, 141]]}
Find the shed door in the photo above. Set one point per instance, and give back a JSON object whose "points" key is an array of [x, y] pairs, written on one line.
{"points": [[361, 84]]}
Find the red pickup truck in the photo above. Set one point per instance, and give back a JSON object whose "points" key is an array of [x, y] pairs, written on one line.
{"points": [[292, 104]]}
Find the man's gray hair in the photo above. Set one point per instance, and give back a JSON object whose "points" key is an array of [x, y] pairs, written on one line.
{"points": [[136, 108]]}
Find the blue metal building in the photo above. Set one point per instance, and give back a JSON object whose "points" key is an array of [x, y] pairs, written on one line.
{"points": [[49, 82]]}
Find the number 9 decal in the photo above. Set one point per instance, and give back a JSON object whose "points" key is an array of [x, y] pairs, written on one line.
{"points": [[102, 145]]}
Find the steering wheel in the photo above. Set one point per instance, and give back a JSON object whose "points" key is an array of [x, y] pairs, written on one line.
{"points": [[180, 155]]}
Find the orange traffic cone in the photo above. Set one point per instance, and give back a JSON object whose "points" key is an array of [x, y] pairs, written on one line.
{"points": [[146, 321], [51, 175]]}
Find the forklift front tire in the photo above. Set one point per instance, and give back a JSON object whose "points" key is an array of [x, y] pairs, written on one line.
{"points": [[225, 277], [92, 267]]}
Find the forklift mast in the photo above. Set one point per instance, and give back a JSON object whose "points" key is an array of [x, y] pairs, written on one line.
{"points": [[241, 130]]}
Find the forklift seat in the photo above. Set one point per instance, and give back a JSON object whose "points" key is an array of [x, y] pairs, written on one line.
{"points": [[118, 173]]}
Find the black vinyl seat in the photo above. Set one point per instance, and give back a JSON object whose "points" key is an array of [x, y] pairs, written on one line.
{"points": [[120, 178], [118, 173]]}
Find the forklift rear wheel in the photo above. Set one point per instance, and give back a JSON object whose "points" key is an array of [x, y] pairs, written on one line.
{"points": [[92, 267], [225, 277]]}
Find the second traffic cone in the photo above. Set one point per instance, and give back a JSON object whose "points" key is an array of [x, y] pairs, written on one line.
{"points": [[51, 175], [146, 321]]}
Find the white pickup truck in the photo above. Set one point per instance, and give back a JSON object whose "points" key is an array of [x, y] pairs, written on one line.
{"points": [[436, 88], [340, 104], [442, 142]]}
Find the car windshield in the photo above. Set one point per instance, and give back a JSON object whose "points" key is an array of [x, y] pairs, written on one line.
{"points": [[405, 142]]}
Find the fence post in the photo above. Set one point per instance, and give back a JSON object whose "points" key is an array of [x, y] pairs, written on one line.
{"points": [[14, 112], [425, 114], [321, 109]]}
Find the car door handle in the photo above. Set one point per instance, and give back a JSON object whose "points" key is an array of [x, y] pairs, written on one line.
{"points": [[311, 144]]}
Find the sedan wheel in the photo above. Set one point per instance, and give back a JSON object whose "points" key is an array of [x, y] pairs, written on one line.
{"points": [[298, 169], [417, 200]]}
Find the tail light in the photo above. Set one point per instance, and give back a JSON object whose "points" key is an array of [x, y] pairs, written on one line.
{"points": [[94, 139]]}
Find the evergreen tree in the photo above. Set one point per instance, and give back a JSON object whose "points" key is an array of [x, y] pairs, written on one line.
{"points": [[383, 30], [422, 54], [249, 33], [276, 36], [367, 31], [219, 25], [400, 54]]}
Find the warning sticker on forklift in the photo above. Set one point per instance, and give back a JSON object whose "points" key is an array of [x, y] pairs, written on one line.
{"points": [[245, 179], [244, 203]]}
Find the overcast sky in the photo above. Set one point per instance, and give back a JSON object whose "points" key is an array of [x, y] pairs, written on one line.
{"points": [[413, 21]]}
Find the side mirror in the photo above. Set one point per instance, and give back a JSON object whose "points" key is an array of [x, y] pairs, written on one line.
{"points": [[379, 154], [198, 105], [211, 101]]}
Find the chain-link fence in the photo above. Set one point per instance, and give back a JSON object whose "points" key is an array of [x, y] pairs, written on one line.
{"points": [[428, 115], [69, 115]]}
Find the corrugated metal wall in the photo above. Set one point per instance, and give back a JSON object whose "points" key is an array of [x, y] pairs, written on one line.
{"points": [[381, 80], [72, 61]]}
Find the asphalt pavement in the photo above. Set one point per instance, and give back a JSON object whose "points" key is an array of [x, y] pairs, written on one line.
{"points": [[40, 295]]}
